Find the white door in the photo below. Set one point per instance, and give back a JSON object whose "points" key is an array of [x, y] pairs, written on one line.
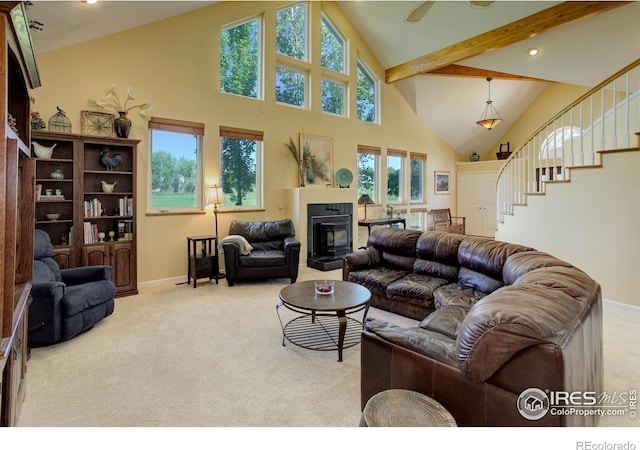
{"points": [[477, 202]]}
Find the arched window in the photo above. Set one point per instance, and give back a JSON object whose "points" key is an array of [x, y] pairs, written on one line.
{"points": [[555, 143]]}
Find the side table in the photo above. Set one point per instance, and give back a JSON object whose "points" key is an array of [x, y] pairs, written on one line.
{"points": [[403, 408], [202, 261]]}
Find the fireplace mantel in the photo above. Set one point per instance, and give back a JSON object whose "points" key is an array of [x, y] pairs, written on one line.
{"points": [[296, 206]]}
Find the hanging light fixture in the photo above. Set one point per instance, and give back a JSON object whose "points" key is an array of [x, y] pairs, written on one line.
{"points": [[490, 117]]}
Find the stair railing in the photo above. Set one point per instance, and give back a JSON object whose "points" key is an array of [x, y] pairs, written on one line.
{"points": [[605, 118]]}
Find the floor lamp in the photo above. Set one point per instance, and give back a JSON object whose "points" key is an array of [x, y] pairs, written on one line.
{"points": [[215, 197]]}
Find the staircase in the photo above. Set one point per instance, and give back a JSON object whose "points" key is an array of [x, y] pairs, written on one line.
{"points": [[573, 188], [604, 120]]}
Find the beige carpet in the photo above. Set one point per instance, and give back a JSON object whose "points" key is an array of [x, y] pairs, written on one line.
{"points": [[181, 357]]}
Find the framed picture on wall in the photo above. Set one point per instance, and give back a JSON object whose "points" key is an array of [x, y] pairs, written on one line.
{"points": [[318, 152], [443, 182]]}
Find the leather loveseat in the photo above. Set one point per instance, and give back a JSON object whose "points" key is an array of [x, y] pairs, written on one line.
{"points": [[258, 250], [495, 320]]}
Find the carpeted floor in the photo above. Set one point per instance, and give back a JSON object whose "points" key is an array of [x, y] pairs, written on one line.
{"points": [[175, 356]]}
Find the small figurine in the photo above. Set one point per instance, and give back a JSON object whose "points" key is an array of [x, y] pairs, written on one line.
{"points": [[110, 162]]}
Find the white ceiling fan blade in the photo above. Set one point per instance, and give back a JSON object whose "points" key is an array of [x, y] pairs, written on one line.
{"points": [[417, 14], [480, 4]]}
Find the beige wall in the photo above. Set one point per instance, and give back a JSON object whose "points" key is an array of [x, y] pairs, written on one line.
{"points": [[591, 222], [174, 64]]}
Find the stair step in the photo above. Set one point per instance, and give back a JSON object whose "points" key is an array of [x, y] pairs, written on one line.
{"points": [[619, 150], [594, 166]]}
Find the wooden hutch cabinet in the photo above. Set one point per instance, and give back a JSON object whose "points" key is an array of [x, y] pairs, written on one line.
{"points": [[18, 74], [96, 223]]}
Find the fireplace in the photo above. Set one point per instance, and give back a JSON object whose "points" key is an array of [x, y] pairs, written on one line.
{"points": [[329, 232]]}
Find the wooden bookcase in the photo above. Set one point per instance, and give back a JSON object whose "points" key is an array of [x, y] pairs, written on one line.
{"points": [[85, 208], [18, 74]]}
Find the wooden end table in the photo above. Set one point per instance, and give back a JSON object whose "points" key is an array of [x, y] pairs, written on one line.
{"points": [[323, 323], [203, 262]]}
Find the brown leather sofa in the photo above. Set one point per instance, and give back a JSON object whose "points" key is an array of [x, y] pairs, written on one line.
{"points": [[274, 251], [495, 319]]}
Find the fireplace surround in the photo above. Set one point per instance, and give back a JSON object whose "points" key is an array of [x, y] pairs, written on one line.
{"points": [[329, 234]]}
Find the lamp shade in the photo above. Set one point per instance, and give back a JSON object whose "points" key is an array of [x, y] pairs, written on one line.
{"points": [[490, 117], [365, 200], [215, 195]]}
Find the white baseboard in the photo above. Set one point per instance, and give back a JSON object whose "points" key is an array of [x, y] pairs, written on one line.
{"points": [[174, 280], [625, 305]]}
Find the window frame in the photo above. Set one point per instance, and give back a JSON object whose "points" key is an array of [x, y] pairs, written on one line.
{"points": [[345, 96], [307, 80], [361, 66], [402, 154], [307, 34], [345, 45], [185, 127], [245, 134], [261, 56], [423, 189], [376, 152]]}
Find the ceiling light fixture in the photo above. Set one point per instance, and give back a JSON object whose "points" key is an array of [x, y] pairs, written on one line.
{"points": [[533, 51], [490, 117]]}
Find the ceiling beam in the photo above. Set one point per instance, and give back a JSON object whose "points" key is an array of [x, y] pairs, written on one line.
{"points": [[500, 37], [455, 70]]}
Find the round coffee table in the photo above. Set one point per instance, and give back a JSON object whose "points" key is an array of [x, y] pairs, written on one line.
{"points": [[323, 323]]}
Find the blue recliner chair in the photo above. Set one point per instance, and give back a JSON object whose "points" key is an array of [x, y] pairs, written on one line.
{"points": [[65, 302]]}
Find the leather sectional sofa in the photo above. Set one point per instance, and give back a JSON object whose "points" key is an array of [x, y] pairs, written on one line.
{"points": [[495, 320]]}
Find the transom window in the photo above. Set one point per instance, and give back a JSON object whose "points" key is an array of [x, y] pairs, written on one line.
{"points": [[291, 31], [553, 146], [176, 165], [240, 59], [332, 44], [333, 96], [366, 94], [291, 86]]}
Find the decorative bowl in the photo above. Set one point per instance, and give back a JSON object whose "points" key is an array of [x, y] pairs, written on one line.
{"points": [[53, 216], [324, 287]]}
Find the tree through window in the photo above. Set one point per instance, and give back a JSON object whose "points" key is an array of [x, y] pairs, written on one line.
{"points": [[240, 59], [241, 166]]}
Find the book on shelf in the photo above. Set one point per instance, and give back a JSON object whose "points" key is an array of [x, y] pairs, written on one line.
{"points": [[93, 208], [90, 233], [44, 197], [124, 229], [125, 205]]}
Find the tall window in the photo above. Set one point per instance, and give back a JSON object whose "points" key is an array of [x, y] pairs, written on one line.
{"points": [[333, 94], [395, 168], [366, 94], [176, 165], [417, 180], [240, 54], [291, 31], [332, 47], [241, 167], [368, 163]]}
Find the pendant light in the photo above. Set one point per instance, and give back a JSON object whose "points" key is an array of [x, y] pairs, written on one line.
{"points": [[490, 117]]}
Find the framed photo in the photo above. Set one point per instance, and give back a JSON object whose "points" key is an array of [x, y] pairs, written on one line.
{"points": [[319, 156], [96, 123], [443, 182]]}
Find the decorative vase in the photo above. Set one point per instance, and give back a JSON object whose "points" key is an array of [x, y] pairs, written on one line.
{"points": [[474, 157], [57, 175], [122, 125]]}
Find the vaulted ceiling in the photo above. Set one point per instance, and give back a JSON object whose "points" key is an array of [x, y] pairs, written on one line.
{"points": [[582, 51]]}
